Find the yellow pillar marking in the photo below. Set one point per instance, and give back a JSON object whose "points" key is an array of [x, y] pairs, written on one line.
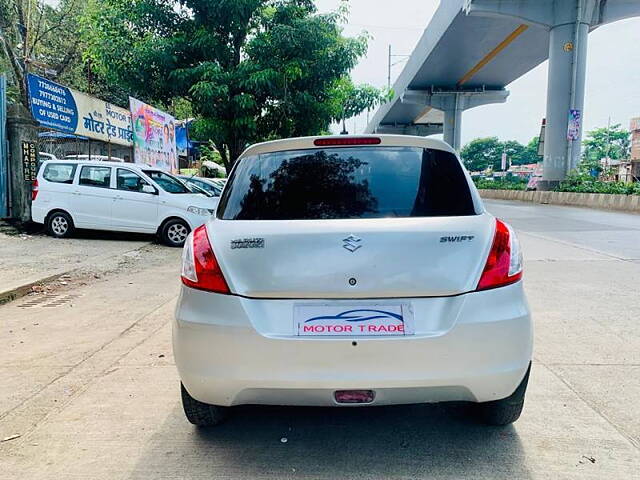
{"points": [[493, 54]]}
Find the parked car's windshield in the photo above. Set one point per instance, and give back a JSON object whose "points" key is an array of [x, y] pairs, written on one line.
{"points": [[358, 182], [167, 182], [210, 187]]}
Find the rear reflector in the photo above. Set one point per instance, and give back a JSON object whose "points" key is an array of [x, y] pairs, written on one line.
{"points": [[328, 142], [354, 396], [34, 190]]}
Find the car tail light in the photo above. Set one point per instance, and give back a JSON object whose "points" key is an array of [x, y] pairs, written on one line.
{"points": [[34, 190], [504, 264], [200, 269], [332, 141]]}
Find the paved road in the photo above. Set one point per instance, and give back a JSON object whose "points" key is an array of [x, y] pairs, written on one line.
{"points": [[90, 385]]}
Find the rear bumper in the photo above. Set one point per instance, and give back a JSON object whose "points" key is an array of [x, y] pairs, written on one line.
{"points": [[38, 213], [230, 351]]}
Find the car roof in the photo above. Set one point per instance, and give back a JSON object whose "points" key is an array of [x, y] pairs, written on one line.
{"points": [[81, 161], [303, 143]]}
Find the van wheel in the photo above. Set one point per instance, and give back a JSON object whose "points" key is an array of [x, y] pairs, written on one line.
{"points": [[505, 411], [174, 232], [201, 414], [60, 225]]}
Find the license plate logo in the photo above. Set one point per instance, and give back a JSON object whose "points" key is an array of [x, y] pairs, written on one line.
{"points": [[370, 320]]}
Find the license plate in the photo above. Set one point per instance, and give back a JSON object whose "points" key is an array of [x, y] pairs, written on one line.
{"points": [[353, 320]]}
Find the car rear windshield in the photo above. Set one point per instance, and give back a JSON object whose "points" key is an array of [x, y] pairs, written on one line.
{"points": [[341, 183]]}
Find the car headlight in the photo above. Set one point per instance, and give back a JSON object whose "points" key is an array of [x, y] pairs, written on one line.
{"points": [[200, 211]]}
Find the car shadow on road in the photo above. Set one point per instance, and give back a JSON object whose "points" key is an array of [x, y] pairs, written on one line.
{"points": [[38, 230], [416, 441], [114, 236]]}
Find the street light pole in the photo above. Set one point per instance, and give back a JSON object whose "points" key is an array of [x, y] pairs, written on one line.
{"points": [[389, 70], [391, 64]]}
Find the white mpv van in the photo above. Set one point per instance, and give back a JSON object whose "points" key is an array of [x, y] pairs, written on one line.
{"points": [[115, 196], [352, 271]]}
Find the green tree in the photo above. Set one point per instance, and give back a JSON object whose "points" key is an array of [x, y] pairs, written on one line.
{"points": [[482, 153], [351, 100], [516, 152], [487, 152], [40, 37], [613, 143], [252, 69], [530, 154]]}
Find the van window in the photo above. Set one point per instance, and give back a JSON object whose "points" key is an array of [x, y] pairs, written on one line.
{"points": [[59, 172], [352, 182], [130, 181], [95, 176]]}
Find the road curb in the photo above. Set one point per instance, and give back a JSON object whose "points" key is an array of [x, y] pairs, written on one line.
{"points": [[18, 292], [600, 201]]}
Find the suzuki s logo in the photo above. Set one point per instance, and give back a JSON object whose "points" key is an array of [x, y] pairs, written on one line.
{"points": [[351, 243]]}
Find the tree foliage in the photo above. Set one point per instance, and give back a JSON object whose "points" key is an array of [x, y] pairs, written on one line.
{"points": [[38, 36], [252, 69], [351, 100], [482, 153], [608, 142]]}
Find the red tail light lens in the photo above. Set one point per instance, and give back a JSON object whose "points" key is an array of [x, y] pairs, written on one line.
{"points": [[34, 190], [332, 141], [504, 264], [200, 269]]}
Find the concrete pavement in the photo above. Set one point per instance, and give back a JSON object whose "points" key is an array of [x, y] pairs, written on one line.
{"points": [[27, 259], [91, 387]]}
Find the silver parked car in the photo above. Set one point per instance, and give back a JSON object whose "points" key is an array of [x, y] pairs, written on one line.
{"points": [[344, 271]]}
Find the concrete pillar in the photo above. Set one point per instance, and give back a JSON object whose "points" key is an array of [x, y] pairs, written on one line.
{"points": [[566, 91], [569, 22], [453, 126], [420, 130], [20, 128], [453, 103]]}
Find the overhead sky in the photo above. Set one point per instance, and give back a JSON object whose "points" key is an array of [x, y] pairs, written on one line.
{"points": [[613, 70]]}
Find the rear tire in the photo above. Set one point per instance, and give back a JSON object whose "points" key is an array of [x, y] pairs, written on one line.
{"points": [[505, 411], [59, 225], [174, 232], [199, 413]]}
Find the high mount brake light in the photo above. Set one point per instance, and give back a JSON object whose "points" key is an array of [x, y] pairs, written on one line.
{"points": [[328, 142], [200, 268], [504, 263], [34, 190]]}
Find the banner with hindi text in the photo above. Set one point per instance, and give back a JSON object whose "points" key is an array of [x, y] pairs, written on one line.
{"points": [[154, 136], [67, 110]]}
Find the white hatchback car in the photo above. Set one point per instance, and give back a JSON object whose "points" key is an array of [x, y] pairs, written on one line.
{"points": [[343, 271], [116, 196]]}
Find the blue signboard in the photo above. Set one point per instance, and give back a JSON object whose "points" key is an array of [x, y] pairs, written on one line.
{"points": [[52, 105], [69, 111], [182, 141]]}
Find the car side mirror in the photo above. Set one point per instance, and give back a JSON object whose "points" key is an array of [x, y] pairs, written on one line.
{"points": [[149, 189]]}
